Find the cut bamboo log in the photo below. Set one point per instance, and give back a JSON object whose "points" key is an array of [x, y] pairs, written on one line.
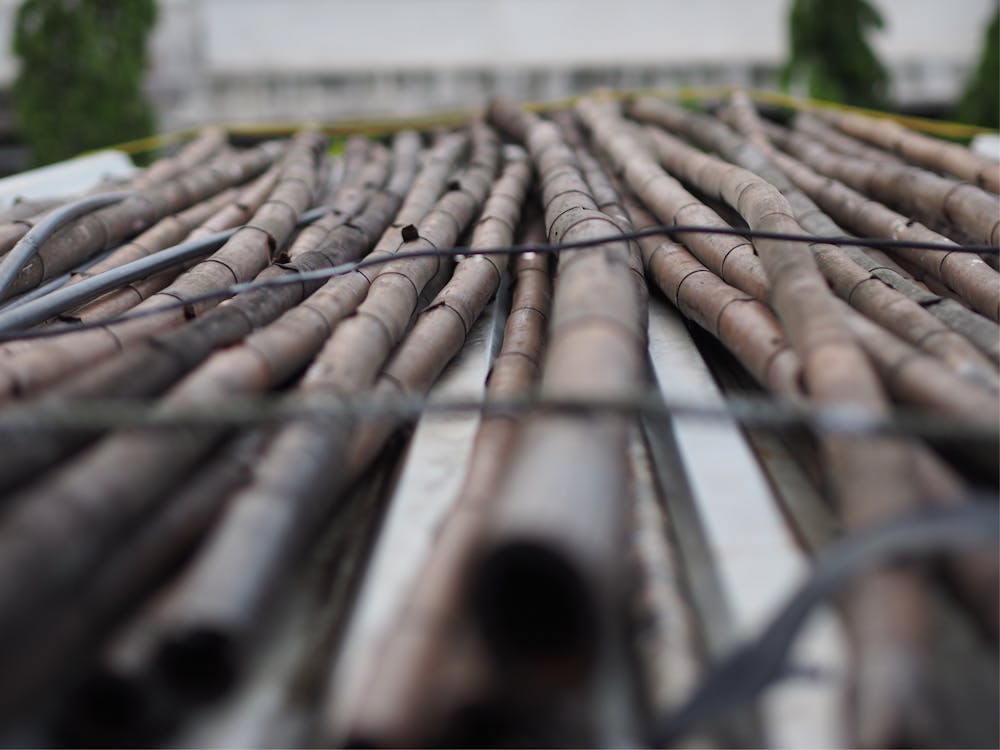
{"points": [[127, 577], [965, 273], [549, 573], [939, 155], [149, 367], [244, 255], [32, 525], [888, 611], [203, 148], [876, 291], [744, 325], [268, 523], [360, 180], [384, 703], [929, 197], [108, 226]]}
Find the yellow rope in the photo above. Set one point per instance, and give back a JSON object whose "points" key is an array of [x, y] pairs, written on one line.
{"points": [[454, 118]]}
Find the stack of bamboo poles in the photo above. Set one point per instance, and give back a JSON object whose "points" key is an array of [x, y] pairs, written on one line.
{"points": [[151, 558]]}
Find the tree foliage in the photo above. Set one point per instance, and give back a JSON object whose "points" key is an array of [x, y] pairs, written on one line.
{"points": [[82, 65], [829, 51], [980, 103]]}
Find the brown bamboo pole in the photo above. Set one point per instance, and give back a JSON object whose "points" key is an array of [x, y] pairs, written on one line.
{"points": [[360, 180], [300, 476], [384, 701], [203, 148], [931, 198], [811, 125], [888, 613], [919, 380], [58, 645], [556, 522], [31, 525], [712, 134], [239, 211], [744, 325], [108, 226], [149, 367], [865, 290], [244, 255], [155, 462], [924, 150], [834, 197], [965, 273]]}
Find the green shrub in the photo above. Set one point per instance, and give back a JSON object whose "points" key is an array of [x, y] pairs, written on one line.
{"points": [[82, 64], [829, 50], [980, 103]]}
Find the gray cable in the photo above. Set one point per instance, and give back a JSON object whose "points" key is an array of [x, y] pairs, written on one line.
{"points": [[66, 298], [28, 245]]}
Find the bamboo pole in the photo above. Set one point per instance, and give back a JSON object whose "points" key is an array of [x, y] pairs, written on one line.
{"points": [[360, 180], [235, 213], [383, 703], [744, 325], [871, 479], [245, 254], [983, 333], [921, 149], [967, 274], [929, 197], [203, 148], [554, 529], [149, 367], [300, 476], [32, 525], [106, 227], [155, 462], [875, 291], [811, 125], [128, 577]]}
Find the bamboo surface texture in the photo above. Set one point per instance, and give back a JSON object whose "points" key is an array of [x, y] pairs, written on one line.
{"points": [[204, 470]]}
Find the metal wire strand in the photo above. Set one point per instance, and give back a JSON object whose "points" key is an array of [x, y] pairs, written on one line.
{"points": [[12, 327]]}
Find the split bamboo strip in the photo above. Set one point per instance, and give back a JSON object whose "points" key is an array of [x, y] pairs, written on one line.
{"points": [[302, 473], [888, 611], [245, 254], [871, 289], [106, 227], [939, 155], [149, 367], [967, 274], [929, 197], [556, 523], [384, 700]]}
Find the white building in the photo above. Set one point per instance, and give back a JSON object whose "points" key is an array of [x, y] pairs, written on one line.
{"points": [[224, 60]]}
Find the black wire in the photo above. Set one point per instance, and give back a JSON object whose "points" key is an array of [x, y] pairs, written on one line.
{"points": [[747, 671], [345, 268]]}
